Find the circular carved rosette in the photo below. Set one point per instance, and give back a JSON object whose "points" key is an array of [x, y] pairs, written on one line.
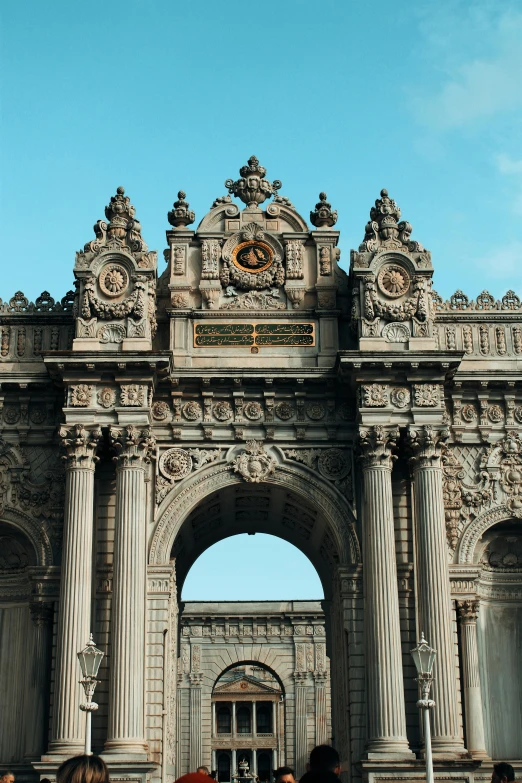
{"points": [[175, 464], [222, 410], [192, 410], [113, 280], [284, 410], [253, 411], [333, 464], [315, 411], [393, 280], [160, 410]]}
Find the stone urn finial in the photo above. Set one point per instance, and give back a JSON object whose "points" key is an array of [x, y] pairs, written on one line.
{"points": [[323, 216], [253, 188], [181, 215], [121, 215]]}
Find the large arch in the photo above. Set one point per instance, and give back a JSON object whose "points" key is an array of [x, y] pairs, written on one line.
{"points": [[322, 527], [476, 529]]}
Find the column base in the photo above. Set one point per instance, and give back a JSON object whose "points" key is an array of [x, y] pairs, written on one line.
{"points": [[65, 748], [448, 748], [120, 770], [135, 750], [392, 749], [462, 770]]}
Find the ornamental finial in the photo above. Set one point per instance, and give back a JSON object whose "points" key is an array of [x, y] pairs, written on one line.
{"points": [[181, 215], [323, 216], [384, 229], [253, 188]]}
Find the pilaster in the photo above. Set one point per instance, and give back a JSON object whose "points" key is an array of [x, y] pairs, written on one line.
{"points": [[386, 710], [433, 584], [475, 739], [74, 612]]}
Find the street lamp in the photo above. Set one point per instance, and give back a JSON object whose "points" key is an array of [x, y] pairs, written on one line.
{"points": [[424, 658], [90, 658]]}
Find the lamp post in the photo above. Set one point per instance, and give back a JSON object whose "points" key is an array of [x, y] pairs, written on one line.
{"points": [[90, 658], [424, 658]]}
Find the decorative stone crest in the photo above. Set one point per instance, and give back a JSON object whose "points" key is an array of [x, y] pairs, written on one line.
{"points": [[252, 260], [107, 397], [254, 464], [111, 333], [252, 188], [81, 395], [181, 215], [133, 395], [384, 230], [323, 216]]}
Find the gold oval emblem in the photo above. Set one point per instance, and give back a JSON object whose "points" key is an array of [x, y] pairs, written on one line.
{"points": [[253, 256]]}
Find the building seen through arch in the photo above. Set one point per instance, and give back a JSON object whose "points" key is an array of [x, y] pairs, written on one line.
{"points": [[247, 383]]}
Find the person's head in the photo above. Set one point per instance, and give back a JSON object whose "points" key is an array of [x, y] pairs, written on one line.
{"points": [[284, 775], [83, 769], [502, 773], [203, 770], [324, 758], [7, 777]]}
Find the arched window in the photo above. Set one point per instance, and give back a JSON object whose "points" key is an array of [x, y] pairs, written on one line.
{"points": [[264, 771], [223, 768], [224, 723], [243, 720], [264, 718]]}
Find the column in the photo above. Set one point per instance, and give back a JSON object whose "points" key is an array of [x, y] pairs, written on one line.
{"points": [[274, 718], [254, 719], [37, 706], [275, 763], [475, 740], [320, 708], [74, 610], [213, 730], [433, 585], [386, 711], [195, 722], [213, 764], [301, 734], [254, 761], [126, 732], [234, 724], [234, 763]]}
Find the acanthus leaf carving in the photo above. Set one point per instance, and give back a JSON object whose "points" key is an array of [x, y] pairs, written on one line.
{"points": [[254, 464]]}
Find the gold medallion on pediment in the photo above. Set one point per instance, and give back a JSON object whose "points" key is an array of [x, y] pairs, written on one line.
{"points": [[253, 256]]}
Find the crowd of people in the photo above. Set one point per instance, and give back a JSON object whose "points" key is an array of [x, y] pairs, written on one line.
{"points": [[324, 767]]}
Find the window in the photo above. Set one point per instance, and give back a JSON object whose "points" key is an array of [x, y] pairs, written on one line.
{"points": [[264, 718], [224, 723], [264, 765], [243, 720], [223, 769]]}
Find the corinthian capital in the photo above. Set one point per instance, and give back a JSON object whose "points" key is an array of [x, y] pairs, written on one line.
{"points": [[133, 446], [468, 611], [426, 444], [376, 445], [80, 444]]}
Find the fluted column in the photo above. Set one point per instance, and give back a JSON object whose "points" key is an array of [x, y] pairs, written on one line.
{"points": [[475, 739], [37, 706], [74, 612], [320, 708], [433, 584], [386, 711], [127, 673], [301, 734], [195, 721]]}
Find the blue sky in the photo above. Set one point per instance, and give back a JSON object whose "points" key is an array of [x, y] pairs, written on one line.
{"points": [[252, 568], [422, 97]]}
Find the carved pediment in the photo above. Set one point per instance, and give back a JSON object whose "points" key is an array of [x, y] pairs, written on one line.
{"points": [[244, 685]]}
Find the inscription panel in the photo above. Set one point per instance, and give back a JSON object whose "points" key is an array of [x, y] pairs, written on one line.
{"points": [[254, 335]]}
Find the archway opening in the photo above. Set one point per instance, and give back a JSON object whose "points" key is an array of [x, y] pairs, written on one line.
{"points": [[499, 632]]}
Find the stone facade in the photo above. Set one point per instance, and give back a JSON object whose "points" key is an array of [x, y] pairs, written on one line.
{"points": [[255, 386], [290, 676]]}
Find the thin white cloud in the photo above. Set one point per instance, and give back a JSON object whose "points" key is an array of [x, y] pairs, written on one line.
{"points": [[512, 169], [507, 165], [503, 262], [478, 87]]}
